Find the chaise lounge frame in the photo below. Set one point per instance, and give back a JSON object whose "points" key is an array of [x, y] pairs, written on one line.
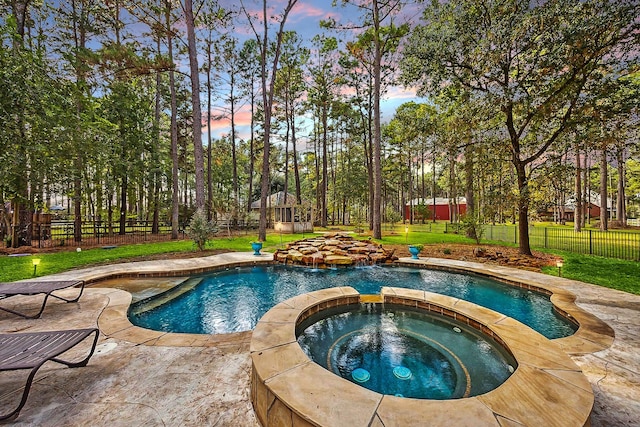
{"points": [[47, 288], [31, 350]]}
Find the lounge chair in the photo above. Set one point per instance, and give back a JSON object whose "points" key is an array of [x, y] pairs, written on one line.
{"points": [[32, 350], [47, 288]]}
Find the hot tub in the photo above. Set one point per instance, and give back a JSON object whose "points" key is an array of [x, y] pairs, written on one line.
{"points": [[288, 388]]}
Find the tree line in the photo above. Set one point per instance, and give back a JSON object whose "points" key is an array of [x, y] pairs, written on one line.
{"points": [[112, 105]]}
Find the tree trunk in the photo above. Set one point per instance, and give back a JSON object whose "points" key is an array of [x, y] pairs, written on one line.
{"points": [[587, 190], [422, 183], [316, 163], [325, 184], [123, 205], [209, 136], [368, 146], [334, 167], [433, 183], [198, 154], [578, 212], [77, 202], [251, 150], [377, 138], [175, 196], [409, 190], [296, 172], [453, 192], [20, 13], [155, 226], [287, 135], [523, 209], [604, 202], [621, 208], [234, 159], [264, 187], [21, 223], [469, 193]]}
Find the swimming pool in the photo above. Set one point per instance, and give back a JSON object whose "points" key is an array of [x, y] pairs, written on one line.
{"points": [[233, 300]]}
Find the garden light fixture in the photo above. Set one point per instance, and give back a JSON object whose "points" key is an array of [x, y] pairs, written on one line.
{"points": [[36, 262], [559, 264]]}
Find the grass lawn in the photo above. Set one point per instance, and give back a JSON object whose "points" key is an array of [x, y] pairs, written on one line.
{"points": [[21, 267], [607, 272]]}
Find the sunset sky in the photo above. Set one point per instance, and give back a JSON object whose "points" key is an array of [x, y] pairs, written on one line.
{"points": [[305, 19]]}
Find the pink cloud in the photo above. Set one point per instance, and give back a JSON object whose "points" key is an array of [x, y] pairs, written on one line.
{"points": [[397, 92], [304, 10], [222, 126]]}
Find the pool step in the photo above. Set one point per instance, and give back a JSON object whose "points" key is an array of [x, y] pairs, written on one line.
{"points": [[164, 297]]}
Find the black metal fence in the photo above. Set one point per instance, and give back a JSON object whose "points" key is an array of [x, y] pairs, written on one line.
{"points": [[610, 244], [101, 233]]}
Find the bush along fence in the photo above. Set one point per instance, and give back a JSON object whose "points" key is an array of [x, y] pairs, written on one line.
{"points": [[610, 244]]}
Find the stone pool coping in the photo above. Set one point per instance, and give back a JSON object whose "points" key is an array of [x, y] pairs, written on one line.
{"points": [[593, 334], [287, 388], [114, 322]]}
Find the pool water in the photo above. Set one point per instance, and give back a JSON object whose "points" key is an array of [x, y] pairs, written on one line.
{"points": [[404, 352], [234, 300]]}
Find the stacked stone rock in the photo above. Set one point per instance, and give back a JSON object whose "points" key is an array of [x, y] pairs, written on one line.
{"points": [[334, 249]]}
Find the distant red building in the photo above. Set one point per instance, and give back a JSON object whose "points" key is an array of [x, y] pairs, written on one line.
{"points": [[443, 209]]}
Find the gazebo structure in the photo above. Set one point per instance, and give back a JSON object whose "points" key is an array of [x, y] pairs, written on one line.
{"points": [[286, 215]]}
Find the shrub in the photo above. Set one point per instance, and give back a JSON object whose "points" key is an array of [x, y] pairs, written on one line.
{"points": [[393, 217], [474, 227], [446, 251], [357, 220], [200, 230], [422, 212]]}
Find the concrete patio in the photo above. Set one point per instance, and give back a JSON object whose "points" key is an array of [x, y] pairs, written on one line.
{"points": [[140, 377]]}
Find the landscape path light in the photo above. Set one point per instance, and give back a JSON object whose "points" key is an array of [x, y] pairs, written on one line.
{"points": [[559, 264], [35, 262]]}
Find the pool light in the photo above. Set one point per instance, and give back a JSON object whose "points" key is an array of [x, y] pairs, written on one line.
{"points": [[402, 373], [35, 262], [360, 375]]}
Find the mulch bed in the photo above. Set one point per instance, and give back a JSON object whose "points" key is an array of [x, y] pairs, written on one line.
{"points": [[490, 254]]}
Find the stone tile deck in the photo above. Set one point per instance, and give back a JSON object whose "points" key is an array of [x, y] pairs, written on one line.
{"points": [[286, 385], [154, 378]]}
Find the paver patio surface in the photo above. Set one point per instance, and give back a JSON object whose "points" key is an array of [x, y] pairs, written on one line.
{"points": [[176, 379]]}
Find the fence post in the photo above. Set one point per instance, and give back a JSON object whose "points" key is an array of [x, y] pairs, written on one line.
{"points": [[545, 238], [590, 243]]}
